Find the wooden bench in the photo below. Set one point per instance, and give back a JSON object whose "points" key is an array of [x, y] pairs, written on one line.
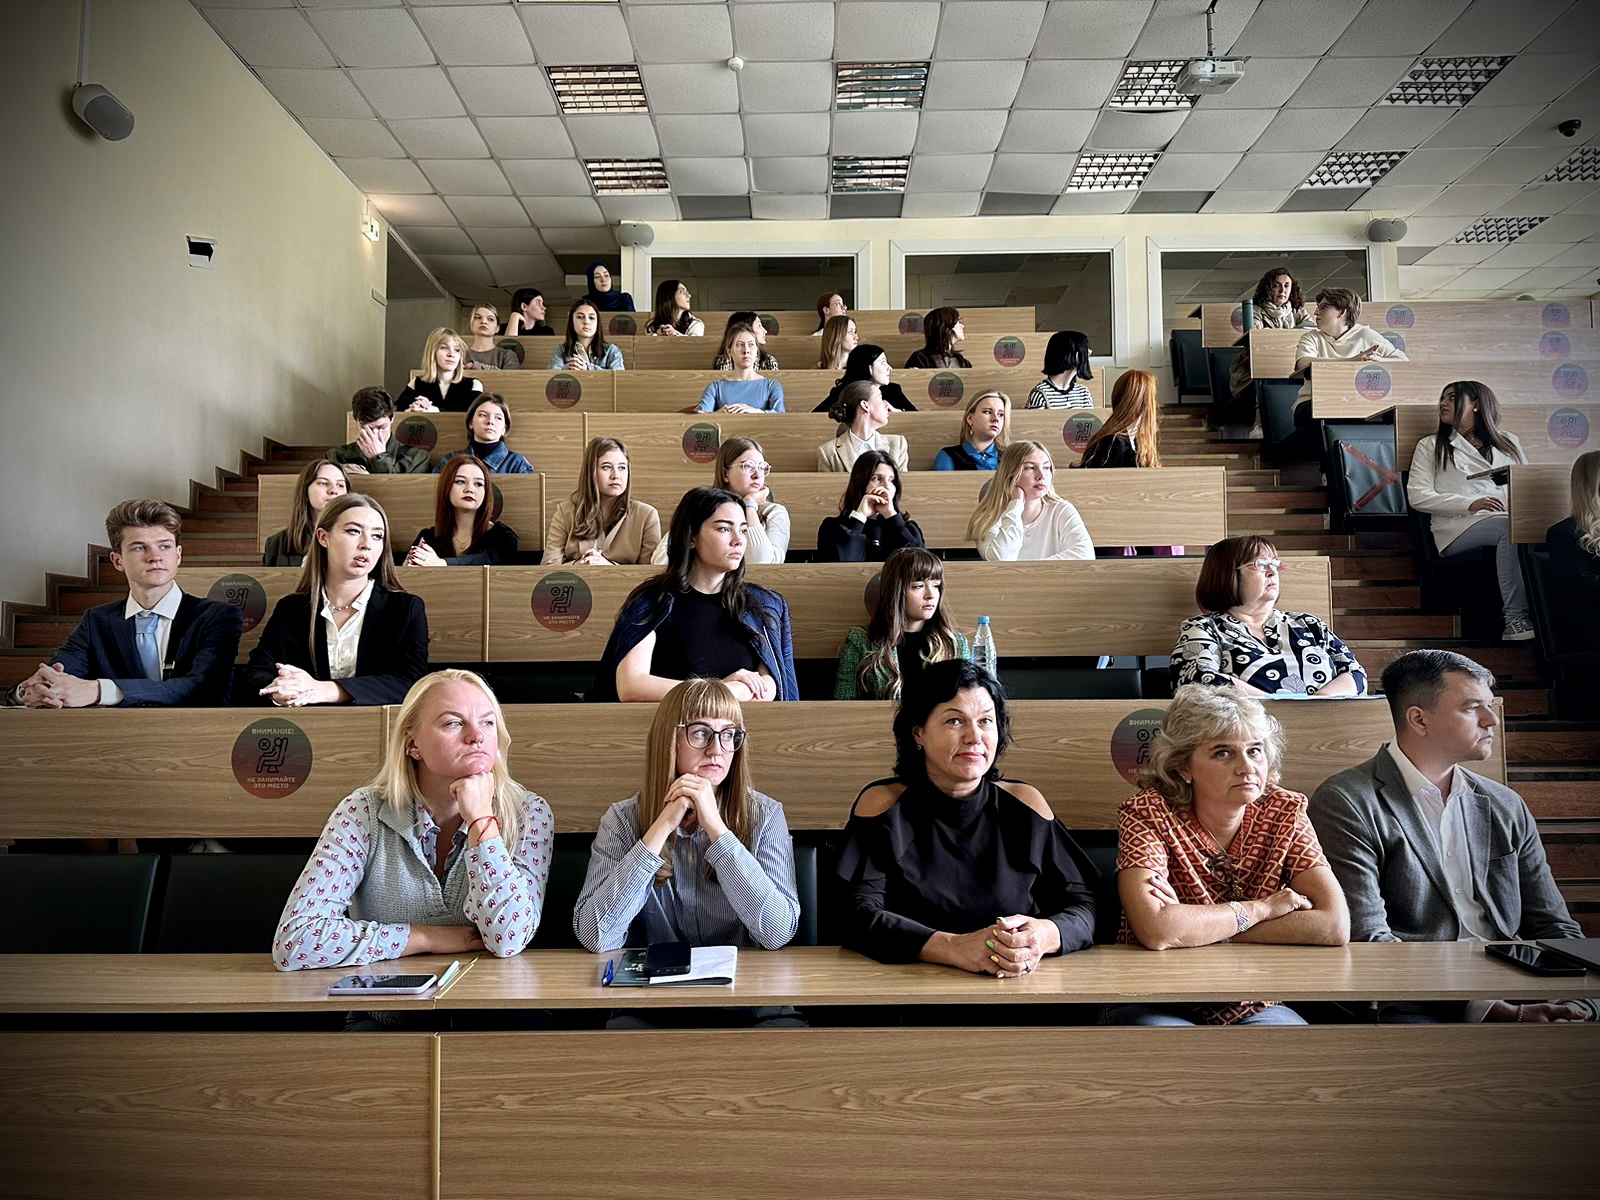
{"points": [[409, 502], [454, 597], [1550, 433], [267, 773], [1541, 495], [1273, 351], [549, 391], [1018, 347], [872, 325], [1353, 390], [553, 442], [1221, 324], [1170, 506], [789, 441], [1107, 606]]}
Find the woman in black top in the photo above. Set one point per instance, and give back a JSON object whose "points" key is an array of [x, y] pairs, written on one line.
{"points": [[464, 533], [1128, 438], [1574, 546], [527, 314], [942, 332], [870, 525], [943, 862], [321, 482], [348, 580], [440, 386], [868, 362]]}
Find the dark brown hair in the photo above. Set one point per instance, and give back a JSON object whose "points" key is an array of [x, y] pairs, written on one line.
{"points": [[1486, 434], [138, 514], [1217, 589], [1263, 288], [371, 404], [444, 513]]}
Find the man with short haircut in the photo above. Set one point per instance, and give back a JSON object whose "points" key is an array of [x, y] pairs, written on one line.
{"points": [[375, 450], [157, 647], [1428, 850]]}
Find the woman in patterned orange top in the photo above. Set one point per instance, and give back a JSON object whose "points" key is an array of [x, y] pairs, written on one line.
{"points": [[1214, 850]]}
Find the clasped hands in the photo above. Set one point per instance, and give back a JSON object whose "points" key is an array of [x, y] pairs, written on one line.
{"points": [[1008, 949], [759, 686], [51, 687], [294, 688], [877, 502]]}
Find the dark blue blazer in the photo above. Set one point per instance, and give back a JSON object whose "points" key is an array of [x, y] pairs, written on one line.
{"points": [[391, 655], [201, 647]]}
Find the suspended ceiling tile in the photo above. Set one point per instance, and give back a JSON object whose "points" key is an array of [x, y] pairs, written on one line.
{"points": [[409, 92], [1237, 200], [504, 91], [783, 87], [440, 137], [1190, 172], [547, 177], [1090, 203], [964, 85], [465, 177], [639, 208], [1395, 27], [616, 135], [770, 207], [1031, 172], [847, 205], [690, 87], [708, 135], [1536, 78], [1179, 30], [1524, 255], [495, 239], [949, 172], [312, 93], [566, 34], [373, 38], [714, 208], [1218, 130], [515, 270], [1308, 128], [1427, 166], [1433, 231], [396, 176], [563, 210], [460, 268], [271, 37], [874, 133], [1267, 83], [1465, 200], [770, 135], [1348, 82], [346, 137], [1134, 131], [1515, 165], [791, 175], [488, 210], [1297, 27], [1091, 28], [873, 32], [1043, 131], [413, 210], [1265, 171], [679, 33], [1073, 84], [476, 36], [1394, 128], [783, 32], [708, 176], [990, 29], [526, 137], [1578, 26], [1495, 27], [1400, 200], [962, 131], [436, 239], [941, 204], [1482, 127]]}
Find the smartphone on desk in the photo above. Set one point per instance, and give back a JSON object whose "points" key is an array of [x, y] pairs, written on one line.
{"points": [[1534, 960], [382, 985], [666, 958]]}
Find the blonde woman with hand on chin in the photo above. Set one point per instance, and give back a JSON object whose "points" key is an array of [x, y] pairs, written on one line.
{"points": [[1021, 518], [442, 853]]}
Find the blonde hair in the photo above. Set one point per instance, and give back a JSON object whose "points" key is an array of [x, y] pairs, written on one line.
{"points": [[694, 700], [430, 355], [1200, 713], [396, 780], [995, 501], [1586, 499], [971, 406]]}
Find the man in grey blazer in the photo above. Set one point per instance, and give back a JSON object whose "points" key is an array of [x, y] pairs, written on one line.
{"points": [[1428, 850]]}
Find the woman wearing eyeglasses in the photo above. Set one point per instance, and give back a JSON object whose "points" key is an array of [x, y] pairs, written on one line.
{"points": [[1212, 850], [1244, 641], [696, 855]]}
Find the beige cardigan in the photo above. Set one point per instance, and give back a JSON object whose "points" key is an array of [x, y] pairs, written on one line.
{"points": [[840, 454], [630, 541]]}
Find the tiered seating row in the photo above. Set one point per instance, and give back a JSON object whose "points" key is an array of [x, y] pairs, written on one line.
{"points": [[1221, 324], [873, 325], [234, 773]]}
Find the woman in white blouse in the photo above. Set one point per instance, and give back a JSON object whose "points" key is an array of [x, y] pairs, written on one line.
{"points": [[1021, 518], [863, 410], [742, 468], [1471, 512]]}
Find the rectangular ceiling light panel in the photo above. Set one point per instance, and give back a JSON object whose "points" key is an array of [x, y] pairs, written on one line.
{"points": [[855, 174], [1444, 82], [1582, 166], [1496, 229], [616, 89], [1353, 168], [879, 85], [627, 176], [1151, 86], [1110, 172]]}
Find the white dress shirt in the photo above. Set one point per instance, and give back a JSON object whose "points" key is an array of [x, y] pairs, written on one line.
{"points": [[166, 610], [344, 642], [1446, 820]]}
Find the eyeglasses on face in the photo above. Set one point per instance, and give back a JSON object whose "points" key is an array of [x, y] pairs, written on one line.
{"points": [[700, 736], [1264, 566], [754, 468]]}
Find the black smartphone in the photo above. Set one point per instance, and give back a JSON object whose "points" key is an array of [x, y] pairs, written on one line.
{"points": [[1534, 960], [666, 958]]}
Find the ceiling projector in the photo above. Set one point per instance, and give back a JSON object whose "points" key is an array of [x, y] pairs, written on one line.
{"points": [[1209, 76]]}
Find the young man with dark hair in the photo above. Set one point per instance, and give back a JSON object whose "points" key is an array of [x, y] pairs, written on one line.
{"points": [[157, 647], [375, 450], [1430, 851]]}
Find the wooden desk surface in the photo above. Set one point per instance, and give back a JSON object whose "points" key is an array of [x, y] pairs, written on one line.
{"points": [[1353, 390], [195, 983], [1541, 495], [828, 975]]}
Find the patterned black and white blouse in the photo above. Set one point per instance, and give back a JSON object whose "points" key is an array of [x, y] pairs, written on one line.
{"points": [[1300, 654]]}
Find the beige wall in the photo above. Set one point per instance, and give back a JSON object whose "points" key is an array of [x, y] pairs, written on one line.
{"points": [[408, 324], [128, 372]]}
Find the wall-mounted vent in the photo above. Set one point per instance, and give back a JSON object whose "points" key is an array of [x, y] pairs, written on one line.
{"points": [[202, 252]]}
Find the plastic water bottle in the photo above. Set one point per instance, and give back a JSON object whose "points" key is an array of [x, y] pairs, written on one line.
{"points": [[983, 651]]}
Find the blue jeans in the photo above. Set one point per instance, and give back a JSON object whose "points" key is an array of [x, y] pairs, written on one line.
{"points": [[1496, 531], [1181, 1014]]}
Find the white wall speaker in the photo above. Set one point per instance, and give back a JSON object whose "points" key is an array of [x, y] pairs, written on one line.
{"points": [[102, 112]]}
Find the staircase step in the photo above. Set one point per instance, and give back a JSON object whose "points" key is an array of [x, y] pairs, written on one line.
{"points": [[1553, 742], [1528, 702], [1570, 799], [42, 632], [17, 665], [1272, 524], [279, 453], [226, 522], [1511, 662], [241, 501], [1311, 543], [1357, 565], [1348, 594], [1406, 625], [1573, 849], [1276, 499], [78, 599], [275, 468]]}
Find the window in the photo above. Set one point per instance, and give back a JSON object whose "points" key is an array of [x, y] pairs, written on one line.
{"points": [[763, 284], [1189, 280], [1068, 290]]}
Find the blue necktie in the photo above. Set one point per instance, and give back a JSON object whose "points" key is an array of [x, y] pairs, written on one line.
{"points": [[144, 640]]}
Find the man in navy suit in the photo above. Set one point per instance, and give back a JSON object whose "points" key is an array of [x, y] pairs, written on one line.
{"points": [[157, 647]]}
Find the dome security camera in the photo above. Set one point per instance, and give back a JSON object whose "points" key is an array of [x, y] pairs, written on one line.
{"points": [[1569, 128]]}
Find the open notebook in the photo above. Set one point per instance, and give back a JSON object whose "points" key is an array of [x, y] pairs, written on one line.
{"points": [[709, 966]]}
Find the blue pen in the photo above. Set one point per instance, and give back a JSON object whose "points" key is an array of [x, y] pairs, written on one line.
{"points": [[611, 970]]}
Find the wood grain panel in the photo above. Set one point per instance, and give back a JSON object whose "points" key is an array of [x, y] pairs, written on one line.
{"points": [[879, 323], [167, 1116], [946, 1112], [1104, 974], [409, 502], [548, 391], [551, 441], [1344, 390], [790, 442], [1108, 606], [815, 756], [152, 772], [678, 354], [1173, 505], [537, 350], [454, 598], [1272, 352], [1537, 426], [1540, 496]]}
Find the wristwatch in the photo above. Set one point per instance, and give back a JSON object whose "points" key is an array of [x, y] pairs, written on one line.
{"points": [[1239, 915]]}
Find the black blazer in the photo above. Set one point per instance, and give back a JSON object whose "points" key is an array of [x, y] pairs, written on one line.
{"points": [[201, 647], [277, 552], [391, 656], [496, 548], [1576, 575], [845, 539]]}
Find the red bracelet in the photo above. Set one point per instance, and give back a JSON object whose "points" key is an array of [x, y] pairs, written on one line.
{"points": [[474, 824]]}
